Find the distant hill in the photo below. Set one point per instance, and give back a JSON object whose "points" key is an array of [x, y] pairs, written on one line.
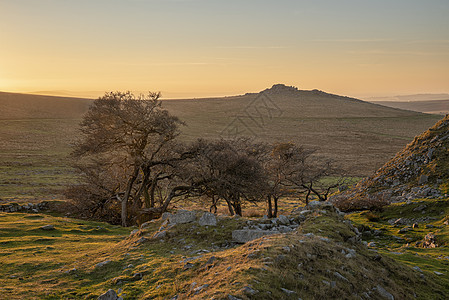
{"points": [[407, 98], [26, 106], [440, 107], [358, 135]]}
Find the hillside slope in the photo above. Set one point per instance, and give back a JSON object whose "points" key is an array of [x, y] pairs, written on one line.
{"points": [[430, 106], [360, 136], [24, 106], [421, 169], [36, 131]]}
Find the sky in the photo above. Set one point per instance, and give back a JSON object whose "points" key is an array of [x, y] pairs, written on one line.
{"points": [[200, 48]]}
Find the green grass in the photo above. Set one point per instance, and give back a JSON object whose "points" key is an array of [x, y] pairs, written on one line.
{"points": [[61, 264], [403, 247]]}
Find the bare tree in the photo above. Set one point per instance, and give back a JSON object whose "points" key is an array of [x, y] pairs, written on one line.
{"points": [[131, 133], [224, 169]]}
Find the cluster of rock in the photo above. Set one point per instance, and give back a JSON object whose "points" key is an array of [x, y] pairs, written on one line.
{"points": [[258, 228], [180, 217], [28, 207], [415, 172]]}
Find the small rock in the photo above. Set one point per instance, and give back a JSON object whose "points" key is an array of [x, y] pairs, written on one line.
{"points": [[382, 292], [200, 288], [109, 295], [423, 179], [160, 234], [188, 266], [230, 297], [438, 273], [417, 269], [288, 292], [48, 227], [339, 276], [103, 263], [283, 220], [286, 249], [249, 291]]}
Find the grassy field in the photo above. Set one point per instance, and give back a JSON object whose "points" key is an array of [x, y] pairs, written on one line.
{"points": [[83, 259], [34, 158], [36, 132], [402, 241]]}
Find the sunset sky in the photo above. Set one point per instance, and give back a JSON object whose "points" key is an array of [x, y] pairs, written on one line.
{"points": [[198, 48]]}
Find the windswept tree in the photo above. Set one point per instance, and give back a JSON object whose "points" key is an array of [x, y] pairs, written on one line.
{"points": [[225, 170], [127, 136]]}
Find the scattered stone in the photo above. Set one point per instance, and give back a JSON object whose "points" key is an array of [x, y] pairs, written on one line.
{"points": [[245, 235], [142, 240], [417, 269], [288, 292], [249, 291], [429, 241], [332, 284], [188, 266], [134, 232], [207, 219], [103, 263], [372, 244], [405, 229], [211, 260], [230, 297], [137, 276], [351, 253], [341, 277], [284, 220], [383, 293], [160, 234], [48, 227], [423, 179], [200, 288], [438, 273], [286, 249]]}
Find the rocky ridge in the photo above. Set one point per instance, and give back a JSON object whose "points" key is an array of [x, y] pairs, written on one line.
{"points": [[418, 171]]}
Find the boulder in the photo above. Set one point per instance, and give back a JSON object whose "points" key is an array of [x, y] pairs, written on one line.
{"points": [[245, 235], [284, 220], [182, 217], [48, 227], [109, 295], [208, 219]]}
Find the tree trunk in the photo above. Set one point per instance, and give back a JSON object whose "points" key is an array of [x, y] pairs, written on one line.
{"points": [[275, 213], [237, 208], [124, 201], [269, 208], [152, 191], [231, 210]]}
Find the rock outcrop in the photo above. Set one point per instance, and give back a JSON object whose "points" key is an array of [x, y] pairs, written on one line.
{"points": [[415, 172]]}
